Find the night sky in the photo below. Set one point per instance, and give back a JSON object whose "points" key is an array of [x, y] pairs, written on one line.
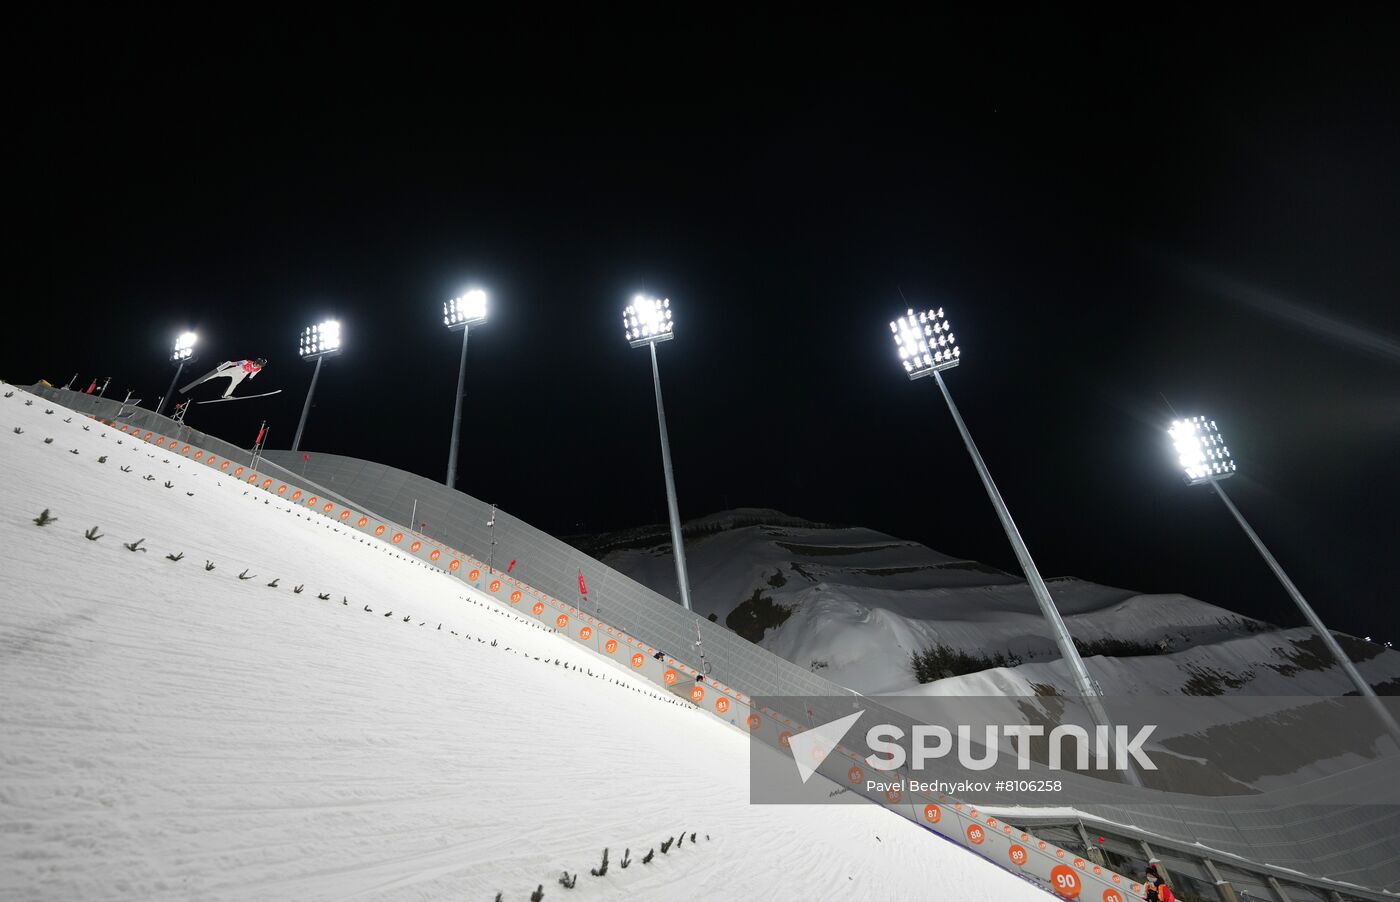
{"points": [[1109, 212]]}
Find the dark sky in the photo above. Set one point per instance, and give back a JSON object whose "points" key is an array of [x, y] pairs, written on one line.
{"points": [[1108, 210]]}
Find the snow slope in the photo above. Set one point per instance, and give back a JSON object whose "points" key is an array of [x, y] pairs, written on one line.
{"points": [[173, 732], [859, 603]]}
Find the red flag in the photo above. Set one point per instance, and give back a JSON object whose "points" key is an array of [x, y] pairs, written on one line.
{"points": [[511, 567], [582, 586], [305, 458], [92, 386], [261, 433]]}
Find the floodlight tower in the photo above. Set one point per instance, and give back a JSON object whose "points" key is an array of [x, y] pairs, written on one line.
{"points": [[317, 343], [461, 313], [927, 347], [647, 321], [1205, 458], [182, 354]]}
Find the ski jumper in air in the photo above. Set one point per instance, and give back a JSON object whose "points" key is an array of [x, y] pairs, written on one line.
{"points": [[235, 371]]}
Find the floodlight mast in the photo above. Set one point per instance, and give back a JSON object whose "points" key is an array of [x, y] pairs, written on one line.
{"points": [[317, 343], [461, 313], [182, 353], [645, 322], [927, 347], [1204, 457]]}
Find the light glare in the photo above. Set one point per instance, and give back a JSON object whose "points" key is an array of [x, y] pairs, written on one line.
{"points": [[320, 340], [1201, 450], [647, 320], [925, 342], [184, 346], [465, 310]]}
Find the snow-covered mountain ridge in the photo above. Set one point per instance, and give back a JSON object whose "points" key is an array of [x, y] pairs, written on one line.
{"points": [[857, 605]]}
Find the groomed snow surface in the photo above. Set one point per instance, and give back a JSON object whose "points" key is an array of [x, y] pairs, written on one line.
{"points": [[172, 732]]}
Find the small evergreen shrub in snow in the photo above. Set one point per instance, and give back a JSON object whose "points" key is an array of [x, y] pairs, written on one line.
{"points": [[44, 519], [939, 662], [1119, 648]]}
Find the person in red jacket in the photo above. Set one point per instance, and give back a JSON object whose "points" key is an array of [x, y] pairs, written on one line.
{"points": [[1157, 889]]}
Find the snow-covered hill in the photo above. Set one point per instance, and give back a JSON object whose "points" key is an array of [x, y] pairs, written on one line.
{"points": [[854, 604], [173, 730]]}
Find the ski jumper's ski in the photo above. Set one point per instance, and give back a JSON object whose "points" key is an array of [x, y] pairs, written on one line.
{"points": [[240, 397]]}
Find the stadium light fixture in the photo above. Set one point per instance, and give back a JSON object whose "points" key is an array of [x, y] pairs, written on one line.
{"points": [[465, 310], [926, 342], [184, 347], [462, 312], [317, 343], [647, 321], [320, 340], [927, 347], [1201, 450], [181, 353], [1205, 458]]}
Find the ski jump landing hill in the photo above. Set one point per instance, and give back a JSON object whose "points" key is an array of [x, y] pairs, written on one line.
{"points": [[1275, 846]]}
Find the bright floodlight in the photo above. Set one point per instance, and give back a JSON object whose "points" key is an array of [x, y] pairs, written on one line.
{"points": [[184, 347], [467, 310], [647, 320], [925, 342], [321, 340], [1201, 450]]}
